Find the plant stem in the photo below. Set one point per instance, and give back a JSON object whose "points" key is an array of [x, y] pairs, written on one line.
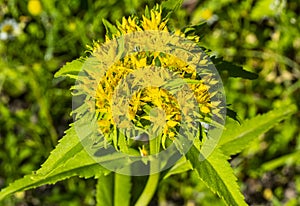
{"points": [[149, 190], [153, 179]]}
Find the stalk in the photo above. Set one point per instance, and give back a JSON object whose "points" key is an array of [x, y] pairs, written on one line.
{"points": [[153, 179]]}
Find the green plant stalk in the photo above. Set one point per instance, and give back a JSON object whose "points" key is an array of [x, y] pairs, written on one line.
{"points": [[122, 190], [153, 179], [149, 190]]}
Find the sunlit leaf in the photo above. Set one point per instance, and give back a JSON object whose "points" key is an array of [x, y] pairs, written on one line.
{"points": [[71, 69], [68, 159], [237, 137], [217, 174]]}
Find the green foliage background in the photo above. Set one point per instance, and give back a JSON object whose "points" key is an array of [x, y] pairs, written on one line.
{"points": [[263, 36]]}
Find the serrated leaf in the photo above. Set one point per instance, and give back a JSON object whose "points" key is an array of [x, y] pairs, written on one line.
{"points": [[217, 174], [71, 69], [104, 190], [81, 165], [122, 190], [68, 146], [237, 137], [68, 159]]}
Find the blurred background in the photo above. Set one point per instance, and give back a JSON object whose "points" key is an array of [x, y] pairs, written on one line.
{"points": [[37, 37]]}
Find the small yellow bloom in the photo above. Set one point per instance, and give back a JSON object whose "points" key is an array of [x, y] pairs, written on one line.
{"points": [[20, 195], [268, 194], [171, 135], [204, 109], [206, 14], [103, 123], [34, 7], [72, 26], [143, 151], [172, 123]]}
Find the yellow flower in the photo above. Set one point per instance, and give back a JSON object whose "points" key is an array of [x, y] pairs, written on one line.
{"points": [[143, 151], [128, 25], [134, 24], [206, 14], [143, 101], [34, 7], [154, 23]]}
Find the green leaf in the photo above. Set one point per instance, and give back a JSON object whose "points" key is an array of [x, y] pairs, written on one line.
{"points": [[67, 148], [168, 7], [237, 137], [196, 30], [171, 5], [110, 29], [104, 190], [147, 12], [71, 69], [68, 159], [288, 159], [181, 166], [122, 190], [217, 174], [233, 115], [232, 69], [266, 8]]}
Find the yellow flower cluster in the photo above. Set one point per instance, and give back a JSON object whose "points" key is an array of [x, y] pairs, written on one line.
{"points": [[133, 24], [153, 97]]}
